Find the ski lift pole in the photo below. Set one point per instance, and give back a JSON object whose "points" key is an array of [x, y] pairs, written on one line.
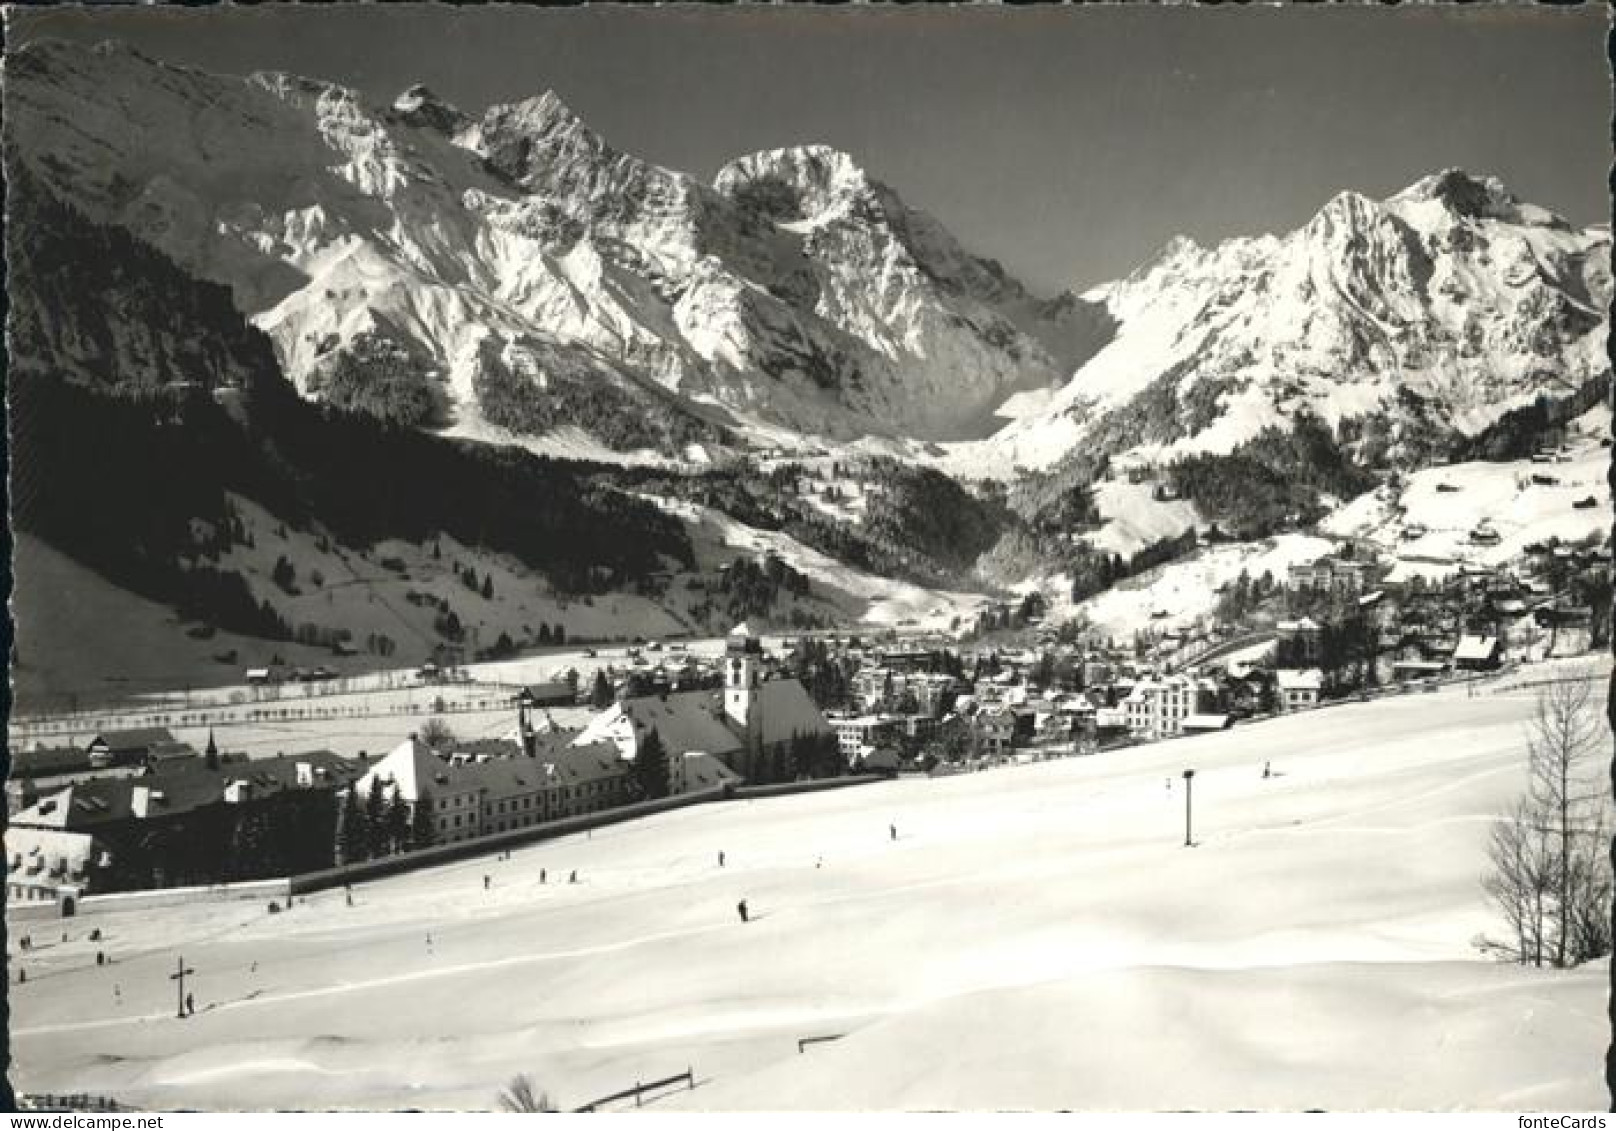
{"points": [[1189, 781]]}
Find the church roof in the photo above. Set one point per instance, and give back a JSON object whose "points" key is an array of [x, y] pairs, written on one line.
{"points": [[685, 721], [785, 709]]}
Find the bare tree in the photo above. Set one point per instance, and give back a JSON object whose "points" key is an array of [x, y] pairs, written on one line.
{"points": [[1561, 750], [520, 1096], [1549, 874], [437, 734]]}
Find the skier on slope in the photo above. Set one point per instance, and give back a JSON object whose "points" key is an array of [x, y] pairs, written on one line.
{"points": [[741, 909]]}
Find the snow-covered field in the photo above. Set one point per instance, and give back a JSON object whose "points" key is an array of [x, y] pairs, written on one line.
{"points": [[1523, 502], [1175, 595], [860, 597], [1036, 937], [1134, 518]]}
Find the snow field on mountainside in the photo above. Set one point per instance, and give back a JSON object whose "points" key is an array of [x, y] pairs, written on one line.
{"points": [[1177, 594], [1521, 501], [866, 598]]}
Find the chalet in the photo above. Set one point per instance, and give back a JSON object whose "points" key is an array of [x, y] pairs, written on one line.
{"points": [[546, 695], [1206, 723], [1477, 653], [135, 747], [1412, 671], [1297, 689], [996, 731], [1248, 692]]}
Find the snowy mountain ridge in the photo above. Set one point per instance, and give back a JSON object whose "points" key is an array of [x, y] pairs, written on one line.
{"points": [[796, 290], [1450, 301]]}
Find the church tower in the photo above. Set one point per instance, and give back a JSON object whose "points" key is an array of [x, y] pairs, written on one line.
{"points": [[742, 675]]}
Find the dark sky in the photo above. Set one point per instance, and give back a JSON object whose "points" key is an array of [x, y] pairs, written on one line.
{"points": [[1068, 142]]}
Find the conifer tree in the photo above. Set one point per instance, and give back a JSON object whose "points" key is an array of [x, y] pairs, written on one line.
{"points": [[422, 831], [398, 821], [376, 819], [352, 840], [651, 767]]}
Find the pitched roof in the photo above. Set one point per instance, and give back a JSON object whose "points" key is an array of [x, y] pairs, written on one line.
{"points": [[1299, 679], [703, 771], [48, 760], [543, 691], [46, 854], [787, 710], [684, 721], [176, 788], [411, 765], [1476, 648], [137, 738]]}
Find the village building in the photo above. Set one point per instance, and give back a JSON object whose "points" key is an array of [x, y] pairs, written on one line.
{"points": [[749, 724], [856, 733], [1157, 708], [137, 747], [474, 793], [1477, 654], [1297, 689], [996, 730], [1206, 723], [1331, 575], [111, 833], [539, 695]]}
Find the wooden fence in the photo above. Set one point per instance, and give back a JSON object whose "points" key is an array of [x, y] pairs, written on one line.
{"points": [[637, 1092], [804, 1042]]}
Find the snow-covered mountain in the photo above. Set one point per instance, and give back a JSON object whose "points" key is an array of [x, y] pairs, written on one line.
{"points": [[528, 274], [1449, 303]]}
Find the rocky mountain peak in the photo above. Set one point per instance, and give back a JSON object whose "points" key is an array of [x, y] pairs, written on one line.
{"points": [[538, 141], [1466, 196], [421, 106], [798, 182]]}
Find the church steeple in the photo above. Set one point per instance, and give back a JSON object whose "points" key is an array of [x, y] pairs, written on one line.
{"points": [[211, 757], [742, 675]]}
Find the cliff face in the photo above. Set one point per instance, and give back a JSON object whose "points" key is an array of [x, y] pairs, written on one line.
{"points": [[794, 291]]}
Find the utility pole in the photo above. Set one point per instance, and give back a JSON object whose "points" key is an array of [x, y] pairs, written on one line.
{"points": [[1189, 781], [178, 977]]}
